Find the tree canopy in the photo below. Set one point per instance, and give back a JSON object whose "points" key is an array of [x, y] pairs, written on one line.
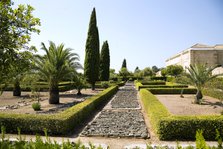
{"points": [[104, 62], [91, 62]]}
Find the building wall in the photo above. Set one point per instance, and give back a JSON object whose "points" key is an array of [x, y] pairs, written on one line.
{"points": [[208, 57], [182, 59]]}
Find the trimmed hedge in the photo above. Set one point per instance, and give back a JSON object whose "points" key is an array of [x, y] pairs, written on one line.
{"points": [[185, 127], [172, 127], [159, 78], [213, 93], [163, 86], [61, 123], [172, 90], [153, 82], [155, 109]]}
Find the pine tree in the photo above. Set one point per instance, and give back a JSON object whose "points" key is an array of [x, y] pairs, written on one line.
{"points": [[124, 64], [104, 62], [91, 63]]}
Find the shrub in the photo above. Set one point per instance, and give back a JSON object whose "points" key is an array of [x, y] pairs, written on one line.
{"points": [[155, 109], [36, 106], [153, 82], [159, 78], [170, 127], [185, 127], [104, 84], [61, 123], [172, 90], [215, 93], [162, 86]]}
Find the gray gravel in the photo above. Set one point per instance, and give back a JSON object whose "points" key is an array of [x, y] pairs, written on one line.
{"points": [[125, 98], [124, 119], [110, 123]]}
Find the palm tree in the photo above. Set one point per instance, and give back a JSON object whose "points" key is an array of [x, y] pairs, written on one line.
{"points": [[199, 75], [56, 65], [80, 83]]}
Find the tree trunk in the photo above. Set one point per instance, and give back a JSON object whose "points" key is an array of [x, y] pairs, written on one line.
{"points": [[93, 86], [16, 89], [54, 95], [199, 96], [79, 92]]}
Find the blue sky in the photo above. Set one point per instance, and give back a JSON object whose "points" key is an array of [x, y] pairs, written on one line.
{"points": [[145, 32]]}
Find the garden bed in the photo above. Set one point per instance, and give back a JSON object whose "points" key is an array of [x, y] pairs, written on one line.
{"points": [[185, 106], [23, 104]]}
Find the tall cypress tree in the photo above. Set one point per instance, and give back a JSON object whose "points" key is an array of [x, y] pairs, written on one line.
{"points": [[104, 62], [91, 63], [124, 64]]}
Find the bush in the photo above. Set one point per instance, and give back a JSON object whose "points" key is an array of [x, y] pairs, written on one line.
{"points": [[104, 84], [162, 86], [36, 106], [159, 78], [155, 109], [61, 123], [153, 82], [185, 127], [172, 90], [170, 127], [215, 93]]}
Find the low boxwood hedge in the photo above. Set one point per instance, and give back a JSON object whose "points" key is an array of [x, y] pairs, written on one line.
{"points": [[185, 127], [162, 86], [172, 90], [172, 127], [215, 93], [61, 123], [153, 82], [155, 109]]}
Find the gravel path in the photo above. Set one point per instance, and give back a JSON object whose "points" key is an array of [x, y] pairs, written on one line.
{"points": [[122, 119]]}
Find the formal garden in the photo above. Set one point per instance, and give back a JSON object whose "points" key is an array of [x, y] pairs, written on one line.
{"points": [[52, 94]]}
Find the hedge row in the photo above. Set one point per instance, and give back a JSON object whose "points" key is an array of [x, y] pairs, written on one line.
{"points": [[155, 109], [159, 78], [169, 127], [172, 90], [213, 93], [153, 82], [185, 127], [61, 123], [163, 86]]}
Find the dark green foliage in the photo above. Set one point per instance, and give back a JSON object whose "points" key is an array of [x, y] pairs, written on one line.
{"points": [[104, 62], [174, 70], [162, 86], [153, 82], [124, 65], [155, 69], [91, 62], [16, 26], [185, 127], [159, 78], [57, 64], [61, 123], [172, 90]]}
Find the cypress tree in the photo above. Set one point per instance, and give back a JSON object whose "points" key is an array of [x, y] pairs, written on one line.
{"points": [[104, 62], [124, 64], [91, 63]]}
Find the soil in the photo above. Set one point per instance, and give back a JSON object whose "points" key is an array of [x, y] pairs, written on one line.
{"points": [[23, 104], [186, 106]]}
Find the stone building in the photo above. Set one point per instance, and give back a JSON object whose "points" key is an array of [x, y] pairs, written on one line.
{"points": [[199, 54]]}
